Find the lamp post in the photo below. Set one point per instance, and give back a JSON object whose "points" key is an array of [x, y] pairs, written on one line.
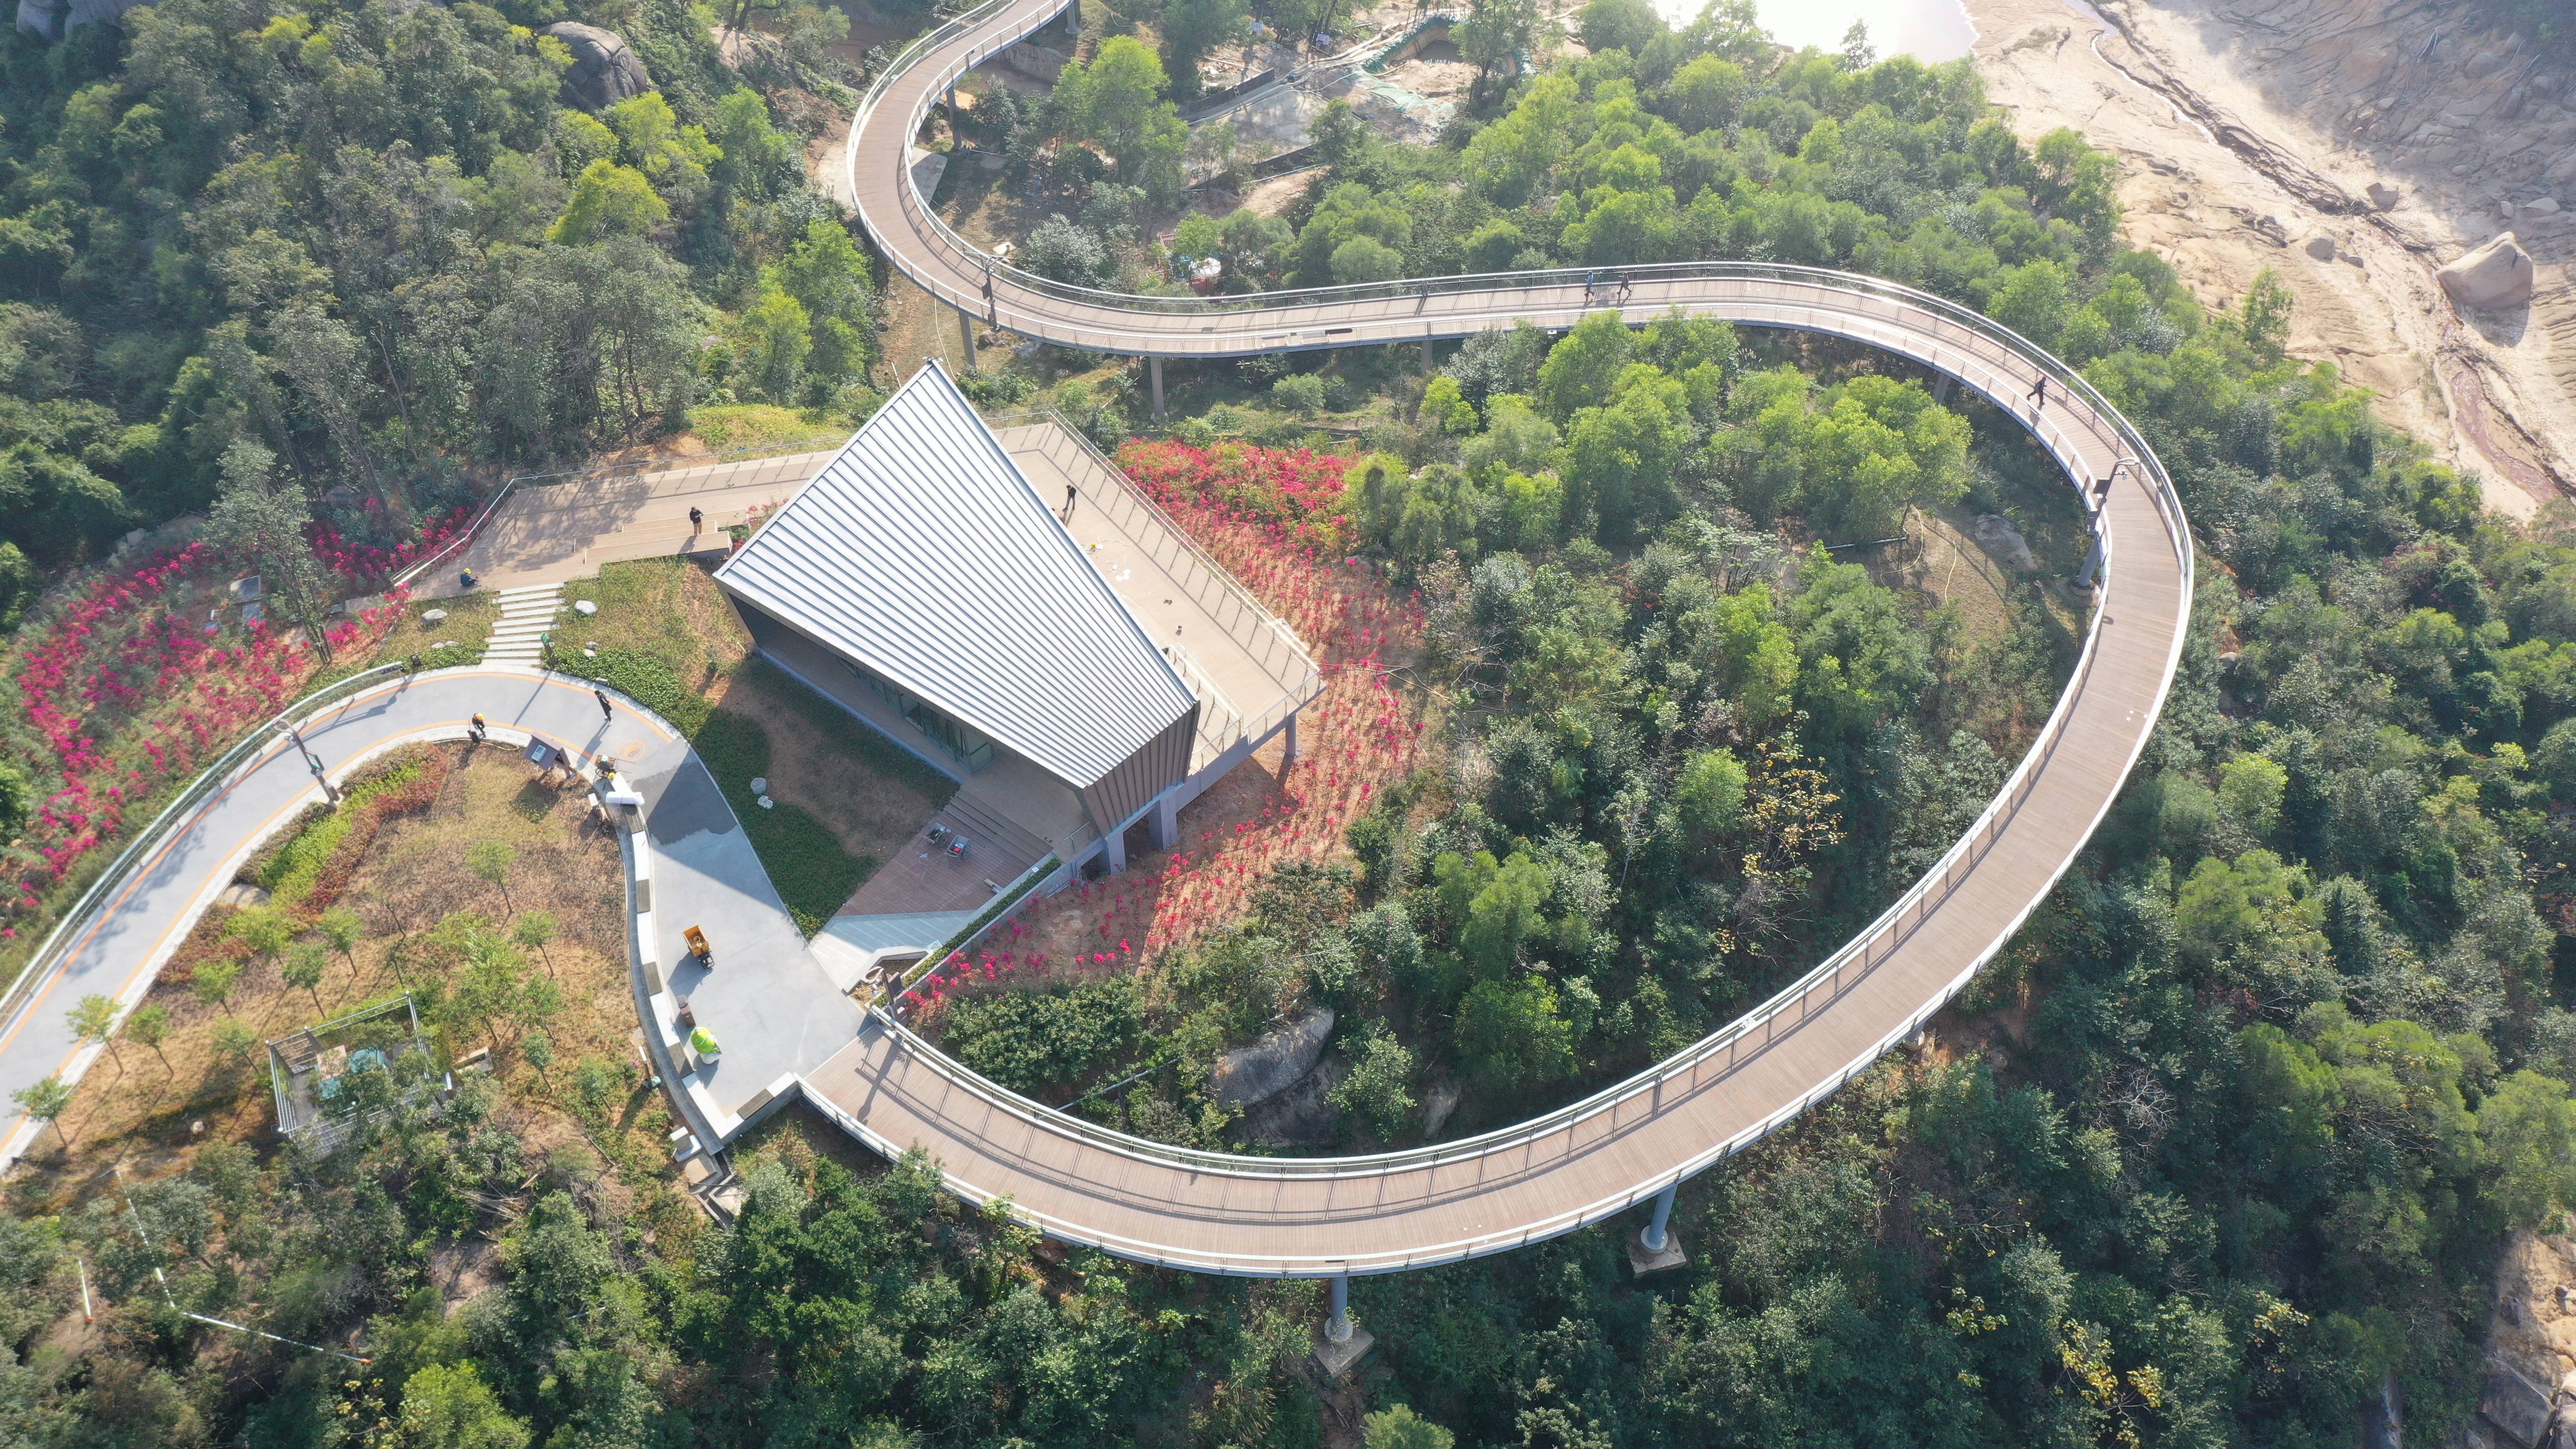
{"points": [[313, 762]]}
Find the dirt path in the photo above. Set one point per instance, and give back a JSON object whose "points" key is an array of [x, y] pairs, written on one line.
{"points": [[2249, 132]]}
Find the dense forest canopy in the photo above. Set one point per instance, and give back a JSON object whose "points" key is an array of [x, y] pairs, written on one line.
{"points": [[2222, 1148], [376, 241]]}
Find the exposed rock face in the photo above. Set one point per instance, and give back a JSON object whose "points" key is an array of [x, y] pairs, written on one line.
{"points": [[2498, 274], [604, 71], [52, 18], [1272, 1065]]}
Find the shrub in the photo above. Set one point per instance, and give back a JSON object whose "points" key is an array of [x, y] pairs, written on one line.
{"points": [[1299, 392], [1028, 1040], [1065, 252]]}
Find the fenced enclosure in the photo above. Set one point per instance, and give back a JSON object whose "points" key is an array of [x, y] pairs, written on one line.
{"points": [[335, 1078]]}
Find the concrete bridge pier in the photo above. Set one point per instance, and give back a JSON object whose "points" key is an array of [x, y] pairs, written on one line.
{"points": [[966, 335], [1341, 1343], [1654, 1248], [1154, 374]]}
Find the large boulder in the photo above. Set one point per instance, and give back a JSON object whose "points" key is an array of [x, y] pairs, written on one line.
{"points": [[2495, 275], [2382, 195], [1273, 1064], [604, 71]]}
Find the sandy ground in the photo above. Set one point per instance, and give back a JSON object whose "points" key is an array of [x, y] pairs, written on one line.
{"points": [[2248, 132]]}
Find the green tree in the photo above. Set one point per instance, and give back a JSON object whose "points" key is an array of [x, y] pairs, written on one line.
{"points": [[233, 1041], [828, 276], [1710, 795], [94, 1019], [213, 980], [2527, 1144], [305, 963], [448, 1406], [2250, 790], [532, 931], [342, 927], [1376, 1091], [46, 1101], [491, 860], [1401, 1428], [2265, 315], [1513, 1035], [1497, 34], [1116, 102], [772, 336], [608, 200], [1194, 28], [150, 1025], [259, 525]]}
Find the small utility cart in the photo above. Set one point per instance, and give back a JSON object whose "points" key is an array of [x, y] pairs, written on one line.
{"points": [[698, 946]]}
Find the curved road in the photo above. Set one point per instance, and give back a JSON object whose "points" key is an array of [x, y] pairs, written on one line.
{"points": [[1317, 1217]]}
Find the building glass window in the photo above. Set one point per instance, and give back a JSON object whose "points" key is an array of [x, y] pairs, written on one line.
{"points": [[964, 743]]}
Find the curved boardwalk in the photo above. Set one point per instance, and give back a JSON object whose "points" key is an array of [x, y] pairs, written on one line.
{"points": [[1317, 1217], [1242, 1215]]}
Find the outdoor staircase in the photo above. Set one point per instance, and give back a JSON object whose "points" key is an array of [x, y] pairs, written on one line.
{"points": [[526, 615]]}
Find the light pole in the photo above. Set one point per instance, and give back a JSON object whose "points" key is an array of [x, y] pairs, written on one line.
{"points": [[313, 762]]}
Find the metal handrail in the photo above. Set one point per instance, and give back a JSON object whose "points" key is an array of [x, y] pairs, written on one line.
{"points": [[15, 1001]]}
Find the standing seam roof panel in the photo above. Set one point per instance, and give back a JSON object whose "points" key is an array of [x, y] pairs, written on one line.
{"points": [[923, 552]]}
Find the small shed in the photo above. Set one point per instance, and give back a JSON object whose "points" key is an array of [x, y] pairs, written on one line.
{"points": [[334, 1078]]}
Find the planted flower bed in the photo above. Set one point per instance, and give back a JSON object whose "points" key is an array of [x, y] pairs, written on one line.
{"points": [[1274, 519], [128, 684]]}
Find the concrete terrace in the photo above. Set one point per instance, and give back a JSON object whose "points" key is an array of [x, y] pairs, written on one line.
{"points": [[549, 532]]}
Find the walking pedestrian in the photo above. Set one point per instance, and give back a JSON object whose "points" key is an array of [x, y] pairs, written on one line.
{"points": [[606, 710], [477, 729], [1071, 492], [992, 312], [697, 521], [2039, 394]]}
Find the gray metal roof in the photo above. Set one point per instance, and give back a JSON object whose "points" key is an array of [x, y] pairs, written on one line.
{"points": [[922, 552]]}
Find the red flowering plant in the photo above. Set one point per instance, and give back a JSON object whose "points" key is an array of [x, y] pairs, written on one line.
{"points": [[128, 685], [367, 565], [1273, 520]]}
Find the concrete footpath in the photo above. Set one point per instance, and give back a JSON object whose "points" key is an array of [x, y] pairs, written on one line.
{"points": [[770, 1003]]}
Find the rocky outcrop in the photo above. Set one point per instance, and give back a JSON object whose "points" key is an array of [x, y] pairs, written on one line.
{"points": [[2498, 274], [52, 18], [604, 71], [1273, 1064], [2382, 195]]}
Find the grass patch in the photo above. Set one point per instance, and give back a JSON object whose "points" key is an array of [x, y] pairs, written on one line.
{"points": [[753, 425], [456, 639], [813, 872], [849, 735]]}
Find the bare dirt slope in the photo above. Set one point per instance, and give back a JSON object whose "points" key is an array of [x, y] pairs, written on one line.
{"points": [[2250, 132]]}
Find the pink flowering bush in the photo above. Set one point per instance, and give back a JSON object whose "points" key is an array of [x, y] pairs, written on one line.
{"points": [[1293, 497], [127, 693], [1270, 518], [368, 566]]}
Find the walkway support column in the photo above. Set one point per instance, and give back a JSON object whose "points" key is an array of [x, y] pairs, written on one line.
{"points": [[1342, 1343], [1427, 368], [1652, 1249], [1113, 847], [1288, 750], [1164, 822], [966, 334], [1154, 372]]}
